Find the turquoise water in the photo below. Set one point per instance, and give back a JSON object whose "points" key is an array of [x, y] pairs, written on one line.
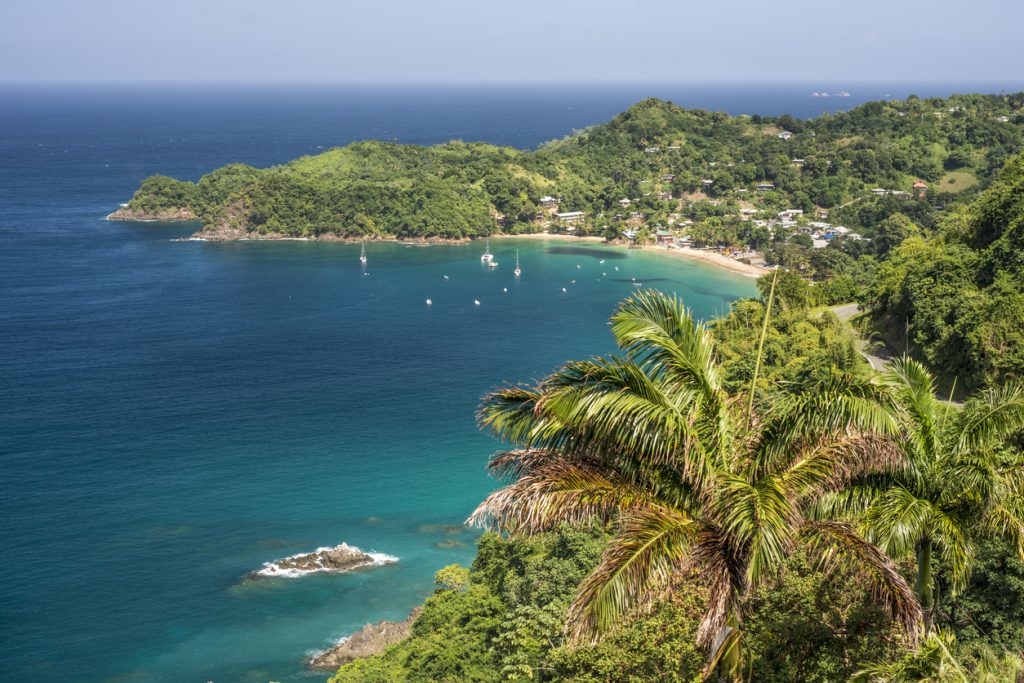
{"points": [[199, 409], [174, 414]]}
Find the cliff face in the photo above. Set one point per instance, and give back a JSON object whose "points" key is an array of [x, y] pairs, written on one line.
{"points": [[126, 213], [370, 640]]}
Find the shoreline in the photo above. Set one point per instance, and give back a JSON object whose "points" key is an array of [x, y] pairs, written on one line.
{"points": [[710, 257], [206, 235]]}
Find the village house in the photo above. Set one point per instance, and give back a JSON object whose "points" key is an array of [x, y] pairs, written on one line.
{"points": [[665, 196], [796, 162], [784, 135], [920, 189], [790, 213], [878, 191], [706, 182], [664, 237], [652, 150], [668, 178], [549, 203], [1003, 119], [570, 217], [624, 202], [765, 187]]}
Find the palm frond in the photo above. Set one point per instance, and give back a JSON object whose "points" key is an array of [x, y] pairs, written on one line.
{"points": [[915, 392], [648, 546], [898, 519], [839, 407], [837, 542], [990, 415], [554, 492]]}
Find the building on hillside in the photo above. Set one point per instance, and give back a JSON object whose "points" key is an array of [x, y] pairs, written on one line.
{"points": [[664, 237], [1003, 119], [665, 196], [765, 187], [784, 135], [707, 182], [570, 217], [668, 178], [878, 191], [796, 162], [624, 202], [920, 189], [652, 150], [549, 203]]}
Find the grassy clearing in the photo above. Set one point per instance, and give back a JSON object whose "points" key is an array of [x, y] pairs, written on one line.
{"points": [[957, 181]]}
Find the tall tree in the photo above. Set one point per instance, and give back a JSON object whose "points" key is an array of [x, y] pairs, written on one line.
{"points": [[955, 487], [650, 443]]}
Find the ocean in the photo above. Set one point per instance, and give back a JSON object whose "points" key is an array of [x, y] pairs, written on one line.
{"points": [[174, 414]]}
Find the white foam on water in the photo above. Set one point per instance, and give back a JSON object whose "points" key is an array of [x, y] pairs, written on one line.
{"points": [[274, 569]]}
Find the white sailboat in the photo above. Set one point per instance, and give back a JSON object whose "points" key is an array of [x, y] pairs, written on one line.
{"points": [[487, 256], [518, 271], [362, 254]]}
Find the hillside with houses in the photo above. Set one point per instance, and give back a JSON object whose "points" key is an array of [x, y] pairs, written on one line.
{"points": [[763, 189]]}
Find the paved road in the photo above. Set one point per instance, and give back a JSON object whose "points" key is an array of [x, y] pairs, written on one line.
{"points": [[878, 358]]}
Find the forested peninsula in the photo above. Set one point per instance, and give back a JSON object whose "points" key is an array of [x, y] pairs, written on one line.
{"points": [[656, 164]]}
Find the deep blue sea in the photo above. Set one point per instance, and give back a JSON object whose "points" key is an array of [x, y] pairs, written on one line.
{"points": [[174, 414]]}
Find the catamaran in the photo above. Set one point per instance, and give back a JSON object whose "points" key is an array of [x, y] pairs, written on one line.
{"points": [[487, 256], [517, 272], [362, 254]]}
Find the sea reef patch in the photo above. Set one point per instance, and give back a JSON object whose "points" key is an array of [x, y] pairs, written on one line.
{"points": [[340, 558]]}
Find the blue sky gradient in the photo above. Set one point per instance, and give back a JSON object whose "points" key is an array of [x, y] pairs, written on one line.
{"points": [[521, 41]]}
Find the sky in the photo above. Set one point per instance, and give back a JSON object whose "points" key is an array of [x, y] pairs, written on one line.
{"points": [[529, 41]]}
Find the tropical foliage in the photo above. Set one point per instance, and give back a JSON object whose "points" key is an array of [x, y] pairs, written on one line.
{"points": [[667, 160], [955, 490], [690, 480]]}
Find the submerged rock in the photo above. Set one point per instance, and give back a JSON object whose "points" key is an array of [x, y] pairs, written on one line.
{"points": [[369, 640], [340, 558]]}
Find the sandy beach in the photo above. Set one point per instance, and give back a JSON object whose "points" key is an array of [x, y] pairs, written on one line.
{"points": [[714, 258]]}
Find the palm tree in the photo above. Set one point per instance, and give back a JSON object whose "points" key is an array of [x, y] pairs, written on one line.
{"points": [[935, 662], [689, 478], [954, 487]]}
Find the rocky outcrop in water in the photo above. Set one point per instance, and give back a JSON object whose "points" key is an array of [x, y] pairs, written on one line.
{"points": [[340, 558], [126, 213], [369, 640]]}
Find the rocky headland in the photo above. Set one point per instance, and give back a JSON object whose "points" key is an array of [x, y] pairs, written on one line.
{"points": [[369, 640]]}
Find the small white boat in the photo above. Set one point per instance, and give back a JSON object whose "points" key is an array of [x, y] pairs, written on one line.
{"points": [[601, 261], [492, 264], [429, 302], [445, 277], [517, 272], [476, 302], [362, 254], [505, 289], [487, 256], [563, 290]]}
